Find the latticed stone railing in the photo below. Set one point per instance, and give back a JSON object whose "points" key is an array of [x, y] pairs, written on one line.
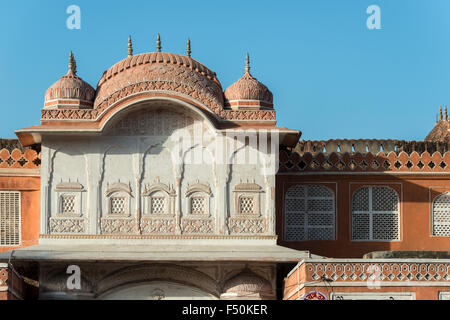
{"points": [[379, 270], [378, 156], [18, 159]]}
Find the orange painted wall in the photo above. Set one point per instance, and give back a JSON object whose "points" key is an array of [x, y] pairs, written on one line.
{"points": [[422, 293], [298, 276], [416, 195], [29, 187]]}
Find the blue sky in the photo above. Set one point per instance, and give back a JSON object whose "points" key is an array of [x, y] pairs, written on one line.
{"points": [[331, 76]]}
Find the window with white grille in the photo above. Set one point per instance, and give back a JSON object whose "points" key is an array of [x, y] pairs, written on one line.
{"points": [[309, 213], [198, 205], [375, 214], [68, 203], [441, 215], [246, 205], [158, 205], [9, 218], [118, 205]]}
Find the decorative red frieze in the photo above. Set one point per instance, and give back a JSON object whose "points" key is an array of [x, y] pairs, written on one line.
{"points": [[16, 159], [357, 162], [378, 271]]}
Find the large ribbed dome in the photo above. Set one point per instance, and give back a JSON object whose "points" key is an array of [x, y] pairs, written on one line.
{"points": [[247, 89], [70, 90], [159, 71]]}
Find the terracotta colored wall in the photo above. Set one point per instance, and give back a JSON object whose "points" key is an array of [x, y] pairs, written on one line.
{"points": [[302, 275], [416, 195], [422, 293], [29, 187]]}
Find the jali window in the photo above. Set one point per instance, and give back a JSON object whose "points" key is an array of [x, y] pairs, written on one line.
{"points": [[118, 205], [375, 214], [158, 204], [309, 213], [441, 215], [9, 218], [68, 203]]}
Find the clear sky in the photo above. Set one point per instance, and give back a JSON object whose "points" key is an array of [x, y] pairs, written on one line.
{"points": [[331, 76]]}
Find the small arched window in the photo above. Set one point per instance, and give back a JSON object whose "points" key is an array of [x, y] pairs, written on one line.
{"points": [[441, 215], [197, 196], [118, 195], [159, 199], [309, 213], [375, 214]]}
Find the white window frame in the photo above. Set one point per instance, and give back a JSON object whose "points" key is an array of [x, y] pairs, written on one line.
{"points": [[19, 231], [251, 190], [371, 212], [162, 190], [120, 190], [306, 226], [198, 190], [433, 223], [69, 188]]}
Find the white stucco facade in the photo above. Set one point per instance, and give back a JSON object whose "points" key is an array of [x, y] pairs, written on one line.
{"points": [[144, 175]]}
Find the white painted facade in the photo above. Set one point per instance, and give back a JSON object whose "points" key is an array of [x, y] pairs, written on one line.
{"points": [[139, 177]]}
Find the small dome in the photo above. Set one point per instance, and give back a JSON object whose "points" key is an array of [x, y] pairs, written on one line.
{"points": [[70, 90], [248, 92]]}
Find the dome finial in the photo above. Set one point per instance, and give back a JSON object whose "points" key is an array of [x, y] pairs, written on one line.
{"points": [[72, 63], [158, 43], [188, 48], [130, 46], [247, 63]]}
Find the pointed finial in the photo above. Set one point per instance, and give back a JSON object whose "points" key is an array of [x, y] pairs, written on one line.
{"points": [[130, 46], [158, 43], [247, 64], [188, 48], [445, 113], [72, 63], [440, 113]]}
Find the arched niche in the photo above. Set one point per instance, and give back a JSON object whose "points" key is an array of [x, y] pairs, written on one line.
{"points": [[166, 273], [247, 286], [157, 290]]}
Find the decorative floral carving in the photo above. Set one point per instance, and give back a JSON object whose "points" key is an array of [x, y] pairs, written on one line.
{"points": [[154, 122], [118, 225], [155, 225], [67, 225], [203, 226], [246, 225]]}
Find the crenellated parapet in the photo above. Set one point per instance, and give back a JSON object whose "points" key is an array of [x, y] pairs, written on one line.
{"points": [[373, 146], [366, 156]]}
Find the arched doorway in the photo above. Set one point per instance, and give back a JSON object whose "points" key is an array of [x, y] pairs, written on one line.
{"points": [[157, 290]]}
